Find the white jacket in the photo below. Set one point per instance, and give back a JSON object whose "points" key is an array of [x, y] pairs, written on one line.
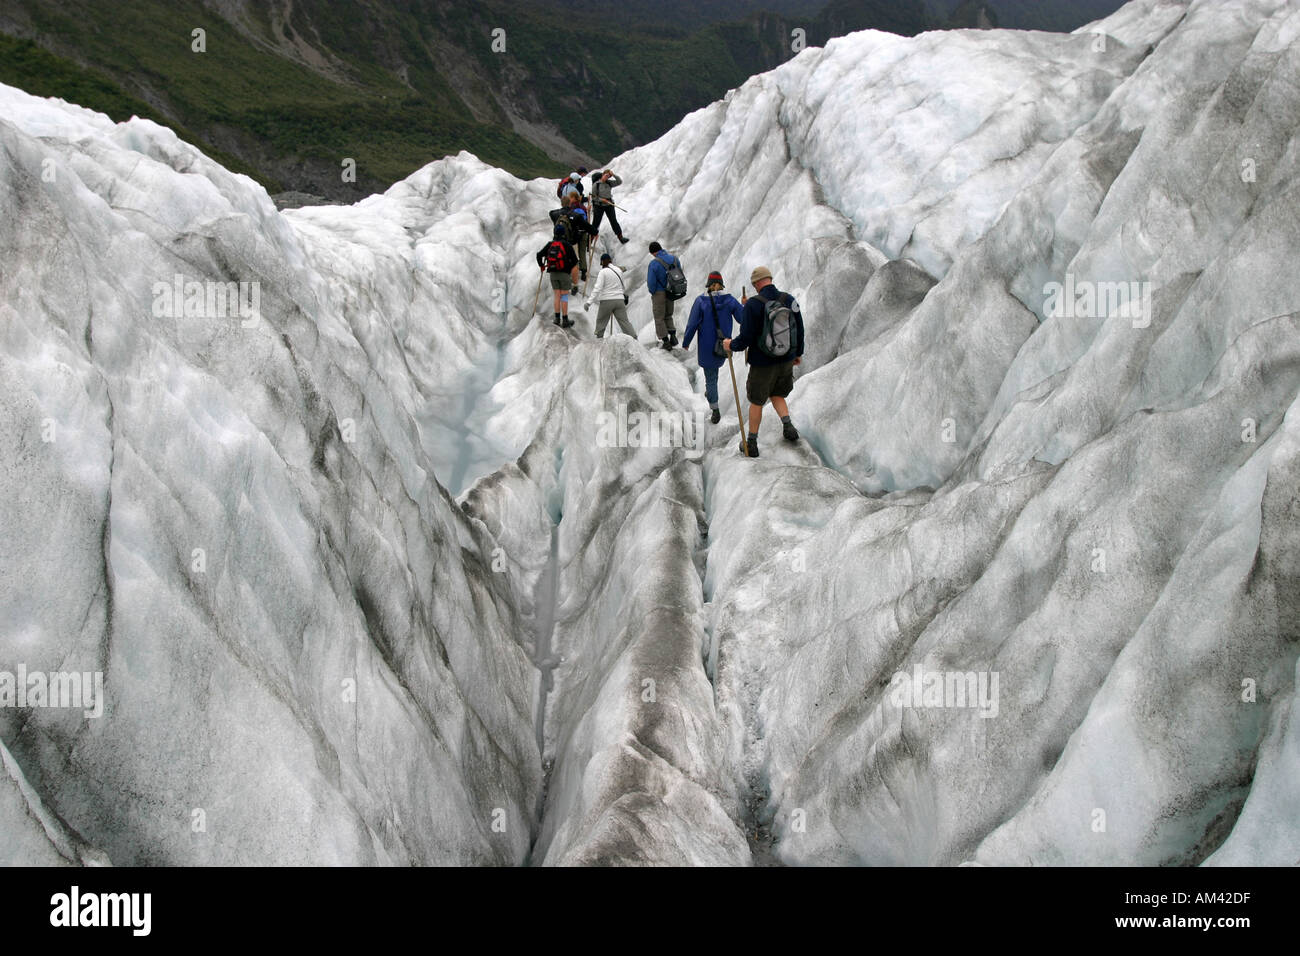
{"points": [[609, 285]]}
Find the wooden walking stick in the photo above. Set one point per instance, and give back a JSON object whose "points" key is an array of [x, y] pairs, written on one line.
{"points": [[537, 299], [744, 447]]}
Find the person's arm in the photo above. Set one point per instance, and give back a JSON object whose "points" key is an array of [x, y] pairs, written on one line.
{"points": [[736, 313], [614, 181], [541, 257], [745, 337], [693, 323], [653, 281]]}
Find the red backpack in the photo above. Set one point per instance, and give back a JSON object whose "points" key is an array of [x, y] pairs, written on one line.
{"points": [[559, 190], [555, 256]]}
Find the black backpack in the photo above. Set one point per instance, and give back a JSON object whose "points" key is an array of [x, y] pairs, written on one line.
{"points": [[777, 338], [555, 256], [571, 229], [575, 225], [675, 280]]}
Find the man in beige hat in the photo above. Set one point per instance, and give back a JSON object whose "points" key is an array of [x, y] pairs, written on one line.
{"points": [[771, 329]]}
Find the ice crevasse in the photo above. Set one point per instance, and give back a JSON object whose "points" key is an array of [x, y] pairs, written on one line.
{"points": [[365, 587]]}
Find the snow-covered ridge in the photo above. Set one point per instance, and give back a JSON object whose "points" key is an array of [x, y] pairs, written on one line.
{"points": [[335, 559]]}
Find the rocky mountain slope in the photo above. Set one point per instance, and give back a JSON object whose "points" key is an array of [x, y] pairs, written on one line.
{"points": [[288, 91]]}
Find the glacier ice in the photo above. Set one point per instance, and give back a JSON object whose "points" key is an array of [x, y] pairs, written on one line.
{"points": [[367, 586]]}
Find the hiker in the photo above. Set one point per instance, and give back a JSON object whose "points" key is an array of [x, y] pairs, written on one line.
{"points": [[602, 200], [611, 294], [665, 283], [771, 332], [572, 184], [711, 317], [581, 233], [560, 261]]}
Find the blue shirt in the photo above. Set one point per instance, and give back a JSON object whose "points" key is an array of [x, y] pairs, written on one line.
{"points": [[656, 276]]}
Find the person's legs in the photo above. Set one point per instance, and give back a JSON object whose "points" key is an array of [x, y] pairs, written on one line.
{"points": [[758, 389], [782, 387], [602, 316], [613, 221], [711, 386], [668, 316], [597, 213], [620, 314], [659, 308]]}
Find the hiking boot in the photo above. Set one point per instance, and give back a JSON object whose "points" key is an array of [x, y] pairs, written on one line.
{"points": [[789, 431], [672, 339], [568, 322], [751, 447], [622, 240], [717, 416], [665, 344], [557, 320]]}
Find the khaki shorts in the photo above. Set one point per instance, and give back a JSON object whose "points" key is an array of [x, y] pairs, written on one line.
{"points": [[561, 281], [769, 381]]}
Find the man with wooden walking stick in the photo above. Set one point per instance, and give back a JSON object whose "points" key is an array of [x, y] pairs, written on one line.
{"points": [[602, 200], [771, 329]]}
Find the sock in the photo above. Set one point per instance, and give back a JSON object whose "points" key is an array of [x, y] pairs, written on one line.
{"points": [[753, 437], [785, 419], [557, 315]]}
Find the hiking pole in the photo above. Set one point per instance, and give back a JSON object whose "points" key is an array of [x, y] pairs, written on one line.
{"points": [[537, 299], [744, 450]]}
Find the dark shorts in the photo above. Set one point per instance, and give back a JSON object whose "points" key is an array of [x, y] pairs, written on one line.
{"points": [[561, 281], [769, 381]]}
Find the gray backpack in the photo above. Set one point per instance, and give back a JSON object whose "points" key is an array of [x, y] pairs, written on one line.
{"points": [[777, 340]]}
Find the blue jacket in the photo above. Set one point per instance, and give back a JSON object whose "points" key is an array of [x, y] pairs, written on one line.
{"points": [[702, 321], [751, 327], [656, 276]]}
